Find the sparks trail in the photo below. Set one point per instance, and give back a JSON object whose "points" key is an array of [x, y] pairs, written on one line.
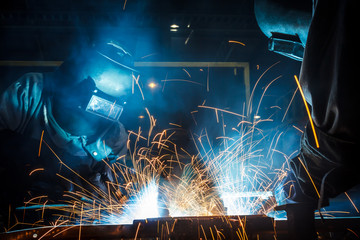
{"points": [[238, 176], [235, 176], [307, 111], [137, 196], [244, 171], [237, 42]]}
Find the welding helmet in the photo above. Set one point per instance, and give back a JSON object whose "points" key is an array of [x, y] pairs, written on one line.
{"points": [[97, 81], [112, 73], [286, 24]]}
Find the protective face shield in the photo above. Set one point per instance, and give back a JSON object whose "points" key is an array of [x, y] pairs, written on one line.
{"points": [[286, 24], [86, 96], [104, 107], [105, 82], [112, 78], [287, 45]]}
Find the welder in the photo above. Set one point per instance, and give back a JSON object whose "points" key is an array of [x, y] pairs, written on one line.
{"points": [[60, 131], [324, 40]]}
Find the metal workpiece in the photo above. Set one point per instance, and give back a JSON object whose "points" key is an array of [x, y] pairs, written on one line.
{"points": [[207, 227]]}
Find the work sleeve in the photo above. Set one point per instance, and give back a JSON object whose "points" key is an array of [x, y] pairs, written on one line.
{"points": [[101, 174], [118, 143], [20, 102]]}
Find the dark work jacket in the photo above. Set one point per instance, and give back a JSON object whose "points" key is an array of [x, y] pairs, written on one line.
{"points": [[329, 79], [37, 157]]}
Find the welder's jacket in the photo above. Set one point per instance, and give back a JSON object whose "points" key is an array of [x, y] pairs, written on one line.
{"points": [[36, 154], [329, 79]]}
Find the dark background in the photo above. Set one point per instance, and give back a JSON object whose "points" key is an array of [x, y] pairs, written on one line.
{"points": [[48, 31]]}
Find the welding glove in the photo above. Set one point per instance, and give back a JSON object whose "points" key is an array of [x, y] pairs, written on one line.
{"points": [[101, 178], [106, 180]]}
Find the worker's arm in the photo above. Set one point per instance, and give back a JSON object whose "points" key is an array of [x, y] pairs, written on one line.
{"points": [[112, 148], [20, 102]]}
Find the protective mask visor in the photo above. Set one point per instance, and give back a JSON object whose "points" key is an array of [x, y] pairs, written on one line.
{"points": [[287, 45], [104, 106]]}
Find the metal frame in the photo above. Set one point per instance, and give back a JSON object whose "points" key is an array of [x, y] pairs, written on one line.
{"points": [[244, 65]]}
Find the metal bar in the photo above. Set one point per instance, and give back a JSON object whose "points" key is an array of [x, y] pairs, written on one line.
{"points": [[244, 65], [228, 227], [192, 64], [11, 63]]}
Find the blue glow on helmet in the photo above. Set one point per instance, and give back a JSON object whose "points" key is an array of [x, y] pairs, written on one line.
{"points": [[104, 108], [113, 74], [105, 79], [114, 81]]}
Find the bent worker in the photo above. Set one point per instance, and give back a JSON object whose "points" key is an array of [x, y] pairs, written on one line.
{"points": [[60, 130]]}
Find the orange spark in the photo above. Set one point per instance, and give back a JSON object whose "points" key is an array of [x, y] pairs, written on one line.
{"points": [[347, 195], [112, 108], [149, 55], [137, 230], [124, 5], [41, 139], [35, 170], [308, 111], [298, 129], [176, 125], [317, 192], [352, 232], [221, 110], [65, 229], [34, 198], [181, 80], [253, 91], [232, 41], [81, 213], [186, 72], [136, 81]]}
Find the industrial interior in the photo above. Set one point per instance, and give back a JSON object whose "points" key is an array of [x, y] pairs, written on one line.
{"points": [[212, 115]]}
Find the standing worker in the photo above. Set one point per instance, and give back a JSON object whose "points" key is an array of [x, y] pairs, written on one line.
{"points": [[327, 164]]}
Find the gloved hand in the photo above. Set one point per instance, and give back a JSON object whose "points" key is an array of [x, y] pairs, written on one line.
{"points": [[105, 181], [101, 179]]}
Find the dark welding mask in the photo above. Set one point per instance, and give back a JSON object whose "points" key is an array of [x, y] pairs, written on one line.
{"points": [[286, 45], [108, 84], [86, 96], [286, 24], [113, 77]]}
